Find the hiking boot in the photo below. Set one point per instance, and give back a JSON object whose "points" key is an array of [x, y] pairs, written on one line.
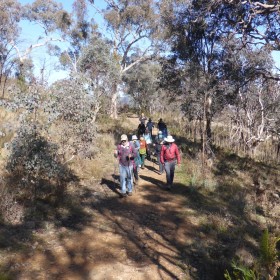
{"points": [[123, 195], [168, 187], [130, 194]]}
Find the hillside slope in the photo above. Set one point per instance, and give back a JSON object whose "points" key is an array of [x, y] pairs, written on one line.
{"points": [[188, 233]]}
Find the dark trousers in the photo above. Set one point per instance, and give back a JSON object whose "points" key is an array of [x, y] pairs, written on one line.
{"points": [[160, 164], [169, 167], [135, 172]]}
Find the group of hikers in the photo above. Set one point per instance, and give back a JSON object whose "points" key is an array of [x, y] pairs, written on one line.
{"points": [[131, 155]]}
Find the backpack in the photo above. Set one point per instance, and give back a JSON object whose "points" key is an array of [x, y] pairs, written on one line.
{"points": [[141, 129]]}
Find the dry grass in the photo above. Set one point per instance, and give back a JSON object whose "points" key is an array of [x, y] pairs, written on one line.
{"points": [[7, 118], [216, 223], [101, 164], [192, 174], [219, 201], [8, 136]]}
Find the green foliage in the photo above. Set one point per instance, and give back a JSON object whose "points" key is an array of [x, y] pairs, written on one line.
{"points": [[4, 276], [73, 107], [241, 272], [33, 163], [9, 32], [142, 84], [267, 266], [48, 14], [24, 72], [268, 251], [99, 63], [130, 15]]}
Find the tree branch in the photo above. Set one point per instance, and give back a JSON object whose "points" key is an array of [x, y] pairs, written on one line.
{"points": [[31, 47]]}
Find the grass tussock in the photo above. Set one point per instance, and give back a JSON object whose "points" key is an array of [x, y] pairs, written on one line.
{"points": [[6, 137], [191, 173], [233, 201]]}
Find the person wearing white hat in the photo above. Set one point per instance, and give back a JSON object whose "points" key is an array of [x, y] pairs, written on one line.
{"points": [[126, 153], [169, 156]]}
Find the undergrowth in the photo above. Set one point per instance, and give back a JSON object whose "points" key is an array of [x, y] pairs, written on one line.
{"points": [[266, 267], [220, 198]]}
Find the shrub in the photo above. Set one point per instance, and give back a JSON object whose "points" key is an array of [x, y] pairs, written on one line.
{"points": [[10, 210], [266, 268], [73, 109], [33, 164]]}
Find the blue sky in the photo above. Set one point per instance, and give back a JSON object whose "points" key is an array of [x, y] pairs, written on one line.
{"points": [[276, 57], [31, 32]]}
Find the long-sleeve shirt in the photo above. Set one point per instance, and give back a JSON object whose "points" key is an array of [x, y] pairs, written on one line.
{"points": [[126, 154], [150, 125], [142, 119], [170, 152]]}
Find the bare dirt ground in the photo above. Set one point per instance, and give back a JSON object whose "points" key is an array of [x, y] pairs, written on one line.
{"points": [[155, 234], [137, 237], [105, 236]]}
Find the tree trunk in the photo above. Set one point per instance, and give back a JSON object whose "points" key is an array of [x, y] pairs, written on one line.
{"points": [[208, 116], [113, 111]]}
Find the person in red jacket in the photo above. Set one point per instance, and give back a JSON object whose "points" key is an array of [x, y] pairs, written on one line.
{"points": [[169, 156]]}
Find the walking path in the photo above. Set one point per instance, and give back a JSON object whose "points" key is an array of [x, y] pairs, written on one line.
{"points": [[139, 237]]}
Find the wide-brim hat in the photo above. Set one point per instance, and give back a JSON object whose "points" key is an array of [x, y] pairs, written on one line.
{"points": [[124, 137], [169, 139], [134, 137]]}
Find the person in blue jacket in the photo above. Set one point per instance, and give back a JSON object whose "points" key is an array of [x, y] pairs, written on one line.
{"points": [[137, 160]]}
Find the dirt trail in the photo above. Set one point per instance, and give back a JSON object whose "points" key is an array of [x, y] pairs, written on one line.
{"points": [[137, 237]]}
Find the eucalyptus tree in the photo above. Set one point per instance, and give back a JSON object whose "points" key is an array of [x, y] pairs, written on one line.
{"points": [[131, 27], [98, 63], [199, 33], [256, 114], [255, 22], [254, 95], [78, 33], [142, 83], [74, 103], [196, 39], [33, 161], [51, 18], [72, 109], [10, 15]]}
